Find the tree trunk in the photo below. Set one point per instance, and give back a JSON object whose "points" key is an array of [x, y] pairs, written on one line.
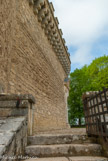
{"points": [[79, 121]]}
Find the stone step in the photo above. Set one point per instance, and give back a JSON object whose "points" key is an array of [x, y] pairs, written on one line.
{"points": [[64, 150], [71, 159], [77, 131], [47, 139]]}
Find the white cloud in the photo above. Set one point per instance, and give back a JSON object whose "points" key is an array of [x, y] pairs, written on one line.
{"points": [[83, 23], [82, 56]]}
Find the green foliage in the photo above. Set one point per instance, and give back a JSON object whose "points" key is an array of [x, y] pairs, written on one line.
{"points": [[98, 73], [89, 78]]}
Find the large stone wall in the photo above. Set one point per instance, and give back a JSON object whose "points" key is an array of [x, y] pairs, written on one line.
{"points": [[28, 64]]}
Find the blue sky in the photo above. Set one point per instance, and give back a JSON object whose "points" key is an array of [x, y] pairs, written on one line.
{"points": [[85, 28]]}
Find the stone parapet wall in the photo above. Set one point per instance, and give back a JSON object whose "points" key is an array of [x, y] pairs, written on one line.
{"points": [[29, 64]]}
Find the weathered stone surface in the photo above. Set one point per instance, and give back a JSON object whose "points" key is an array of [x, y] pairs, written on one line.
{"points": [[6, 138], [11, 112], [88, 159], [11, 125], [69, 131], [70, 145], [5, 112], [64, 150], [49, 139], [2, 149], [71, 159], [10, 97], [11, 150], [12, 104], [1, 88], [13, 137], [49, 159], [2, 122], [16, 119]]}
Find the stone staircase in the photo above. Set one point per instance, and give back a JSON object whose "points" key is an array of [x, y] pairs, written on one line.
{"points": [[61, 146]]}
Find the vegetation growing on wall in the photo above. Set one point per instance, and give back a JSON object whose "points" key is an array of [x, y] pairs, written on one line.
{"points": [[89, 78]]}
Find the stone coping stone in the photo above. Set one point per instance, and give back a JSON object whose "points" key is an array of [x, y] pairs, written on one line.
{"points": [[80, 158], [8, 97], [8, 131], [6, 138], [2, 122], [12, 104], [49, 159], [12, 124], [88, 158], [2, 149]]}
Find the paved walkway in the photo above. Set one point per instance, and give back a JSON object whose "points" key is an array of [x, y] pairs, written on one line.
{"points": [[71, 159]]}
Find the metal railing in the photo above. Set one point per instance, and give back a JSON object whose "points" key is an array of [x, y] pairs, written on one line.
{"points": [[96, 114]]}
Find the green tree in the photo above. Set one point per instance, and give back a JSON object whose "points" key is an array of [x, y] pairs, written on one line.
{"points": [[98, 73], [89, 78], [78, 82]]}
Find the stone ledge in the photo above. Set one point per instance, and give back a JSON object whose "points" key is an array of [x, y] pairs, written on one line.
{"points": [[13, 112], [6, 138], [12, 108], [80, 158], [2, 150], [12, 104], [10, 97], [12, 124]]}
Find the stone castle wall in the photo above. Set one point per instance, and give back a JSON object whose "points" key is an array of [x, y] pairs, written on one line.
{"points": [[28, 64]]}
